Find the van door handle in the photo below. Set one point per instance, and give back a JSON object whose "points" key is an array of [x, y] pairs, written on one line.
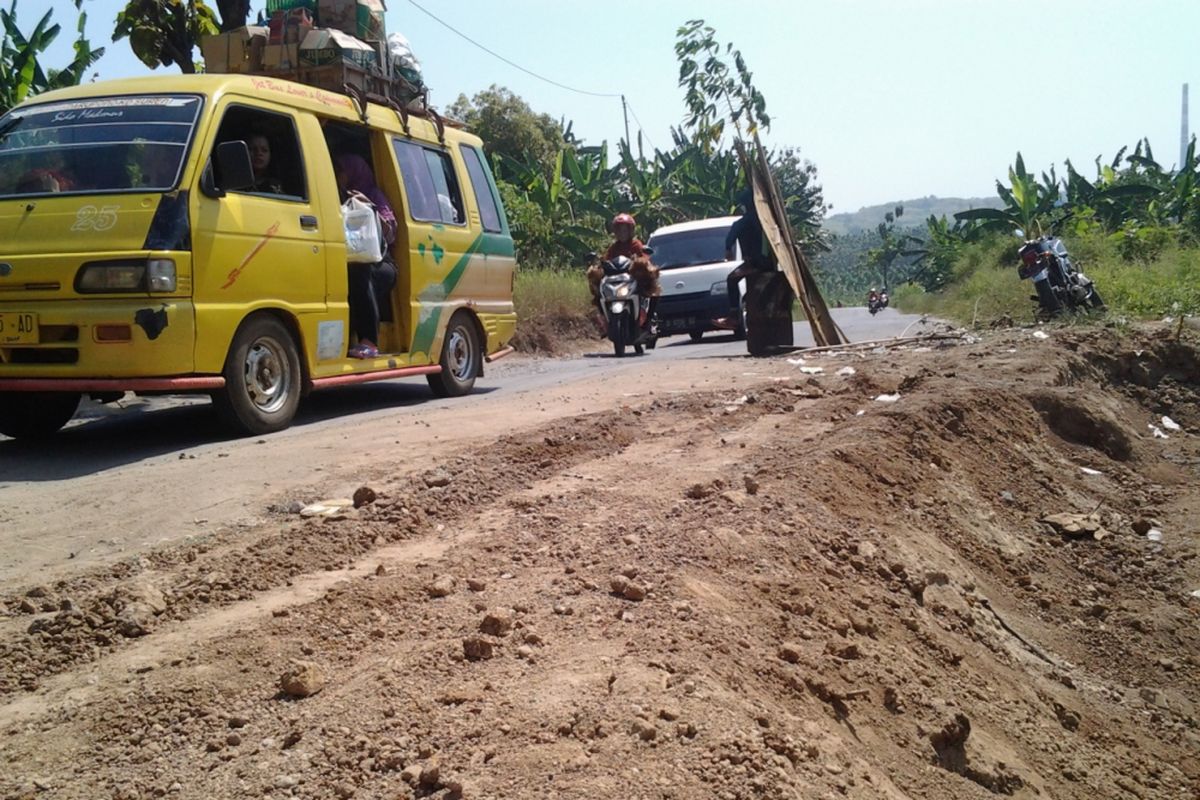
{"points": [[308, 222]]}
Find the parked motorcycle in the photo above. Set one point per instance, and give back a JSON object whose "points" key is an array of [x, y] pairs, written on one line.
{"points": [[626, 312], [1059, 284]]}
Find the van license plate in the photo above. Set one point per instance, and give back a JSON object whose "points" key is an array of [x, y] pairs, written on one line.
{"points": [[18, 327]]}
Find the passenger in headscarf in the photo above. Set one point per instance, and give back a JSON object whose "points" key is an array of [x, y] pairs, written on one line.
{"points": [[370, 284]]}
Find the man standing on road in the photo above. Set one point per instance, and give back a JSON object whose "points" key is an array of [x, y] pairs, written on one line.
{"points": [[748, 234]]}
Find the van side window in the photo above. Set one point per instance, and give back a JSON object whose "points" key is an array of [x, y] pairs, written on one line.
{"points": [[488, 211], [430, 182], [274, 151]]}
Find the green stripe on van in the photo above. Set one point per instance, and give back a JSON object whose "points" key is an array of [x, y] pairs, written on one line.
{"points": [[432, 299]]}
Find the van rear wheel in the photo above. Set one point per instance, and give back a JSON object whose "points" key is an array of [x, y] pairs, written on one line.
{"points": [[462, 356], [35, 415], [262, 378]]}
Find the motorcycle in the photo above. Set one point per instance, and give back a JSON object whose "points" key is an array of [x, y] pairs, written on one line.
{"points": [[877, 303], [1059, 284], [626, 313]]}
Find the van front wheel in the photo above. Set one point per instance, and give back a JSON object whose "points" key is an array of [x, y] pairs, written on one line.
{"points": [[461, 357], [262, 378], [35, 415]]}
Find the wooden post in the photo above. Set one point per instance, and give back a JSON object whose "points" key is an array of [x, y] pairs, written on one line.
{"points": [[778, 232]]}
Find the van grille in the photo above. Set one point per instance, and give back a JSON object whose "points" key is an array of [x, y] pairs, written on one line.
{"points": [[49, 286], [48, 351], [39, 355]]}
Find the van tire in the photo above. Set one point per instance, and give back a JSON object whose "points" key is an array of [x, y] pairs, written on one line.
{"points": [[695, 336], [461, 360], [36, 415], [262, 378]]}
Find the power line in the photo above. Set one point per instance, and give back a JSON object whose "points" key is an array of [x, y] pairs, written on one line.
{"points": [[641, 127], [505, 60]]}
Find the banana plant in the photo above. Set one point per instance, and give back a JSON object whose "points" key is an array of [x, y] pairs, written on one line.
{"points": [[22, 74], [935, 255], [1028, 203]]}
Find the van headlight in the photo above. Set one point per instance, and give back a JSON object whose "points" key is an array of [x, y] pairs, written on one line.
{"points": [[152, 275], [720, 287], [160, 275]]}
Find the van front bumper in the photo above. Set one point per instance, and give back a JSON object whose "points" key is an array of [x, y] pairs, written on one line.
{"points": [[105, 342]]}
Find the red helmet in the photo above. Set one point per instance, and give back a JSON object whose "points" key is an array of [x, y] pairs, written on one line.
{"points": [[623, 219]]}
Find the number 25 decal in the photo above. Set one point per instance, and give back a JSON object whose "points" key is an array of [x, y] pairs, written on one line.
{"points": [[91, 218]]}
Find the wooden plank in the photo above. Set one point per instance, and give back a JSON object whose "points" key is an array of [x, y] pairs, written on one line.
{"points": [[778, 233]]}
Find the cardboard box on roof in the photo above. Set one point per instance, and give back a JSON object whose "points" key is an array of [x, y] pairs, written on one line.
{"points": [[281, 57], [328, 46], [362, 19], [236, 51]]}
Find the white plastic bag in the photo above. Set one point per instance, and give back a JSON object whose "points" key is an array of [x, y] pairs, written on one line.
{"points": [[364, 239]]}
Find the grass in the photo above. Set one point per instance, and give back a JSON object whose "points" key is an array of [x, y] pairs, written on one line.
{"points": [[986, 287], [553, 306]]}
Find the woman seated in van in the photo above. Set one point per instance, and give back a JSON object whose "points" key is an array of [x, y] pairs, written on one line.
{"points": [[260, 159], [369, 283]]}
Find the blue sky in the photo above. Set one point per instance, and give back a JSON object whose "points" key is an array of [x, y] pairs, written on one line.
{"points": [[891, 100]]}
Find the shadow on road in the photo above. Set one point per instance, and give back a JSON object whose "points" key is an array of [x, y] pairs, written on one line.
{"points": [[109, 438]]}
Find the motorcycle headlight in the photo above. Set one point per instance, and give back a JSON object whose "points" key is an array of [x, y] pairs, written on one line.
{"points": [[623, 290], [618, 307], [720, 287]]}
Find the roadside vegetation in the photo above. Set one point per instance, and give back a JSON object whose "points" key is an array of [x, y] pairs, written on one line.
{"points": [[1134, 228]]}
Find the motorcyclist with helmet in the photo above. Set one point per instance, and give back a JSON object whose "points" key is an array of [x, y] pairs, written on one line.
{"points": [[644, 272]]}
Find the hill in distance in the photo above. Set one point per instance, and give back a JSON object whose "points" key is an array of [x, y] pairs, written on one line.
{"points": [[915, 212]]}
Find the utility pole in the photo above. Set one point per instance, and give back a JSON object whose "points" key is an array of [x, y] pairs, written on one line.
{"points": [[1183, 129], [625, 111]]}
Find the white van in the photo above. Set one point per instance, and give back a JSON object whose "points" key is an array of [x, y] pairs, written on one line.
{"points": [[691, 256]]}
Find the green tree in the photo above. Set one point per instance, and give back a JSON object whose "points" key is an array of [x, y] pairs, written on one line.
{"points": [[802, 197], [22, 74], [892, 245], [166, 32], [509, 127], [937, 252]]}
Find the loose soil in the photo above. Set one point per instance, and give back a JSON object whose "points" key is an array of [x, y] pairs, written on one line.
{"points": [[783, 587]]}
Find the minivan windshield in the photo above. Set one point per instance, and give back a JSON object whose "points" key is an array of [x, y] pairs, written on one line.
{"points": [[689, 248], [100, 145]]}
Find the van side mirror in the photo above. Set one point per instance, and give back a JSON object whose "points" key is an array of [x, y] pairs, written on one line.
{"points": [[234, 167]]}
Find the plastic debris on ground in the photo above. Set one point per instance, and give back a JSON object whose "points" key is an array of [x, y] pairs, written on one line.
{"points": [[1170, 424], [326, 508], [1157, 432], [860, 412], [1041, 335], [1154, 535], [888, 398], [1090, 471], [796, 362], [812, 370], [847, 371]]}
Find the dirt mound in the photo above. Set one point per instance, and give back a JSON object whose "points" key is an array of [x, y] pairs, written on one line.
{"points": [[826, 585]]}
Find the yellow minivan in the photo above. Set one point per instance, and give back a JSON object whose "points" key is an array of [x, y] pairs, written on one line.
{"points": [[140, 252]]}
